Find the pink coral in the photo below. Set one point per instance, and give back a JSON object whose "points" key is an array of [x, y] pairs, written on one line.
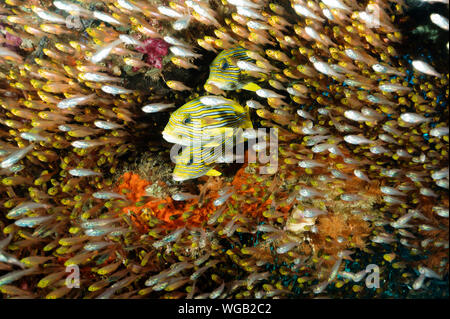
{"points": [[155, 50], [10, 41]]}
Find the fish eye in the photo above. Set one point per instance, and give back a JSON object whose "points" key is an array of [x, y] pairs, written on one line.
{"points": [[191, 161], [187, 120], [224, 65]]}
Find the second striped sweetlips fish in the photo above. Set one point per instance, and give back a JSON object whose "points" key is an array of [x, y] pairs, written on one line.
{"points": [[227, 75], [196, 121]]}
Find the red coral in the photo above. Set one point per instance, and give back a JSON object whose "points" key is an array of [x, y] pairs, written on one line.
{"points": [[155, 50]]}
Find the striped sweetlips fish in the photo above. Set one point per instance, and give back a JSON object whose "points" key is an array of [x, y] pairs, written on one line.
{"points": [[195, 121], [225, 73]]}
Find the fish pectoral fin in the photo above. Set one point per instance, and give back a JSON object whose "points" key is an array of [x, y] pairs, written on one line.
{"points": [[213, 172], [251, 87]]}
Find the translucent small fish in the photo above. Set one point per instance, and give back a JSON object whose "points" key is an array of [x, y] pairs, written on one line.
{"points": [[217, 292], [258, 25], [86, 144], [265, 93], [351, 197], [113, 89], [379, 150], [383, 68], [387, 138], [302, 10], [15, 275], [427, 192], [417, 284], [183, 52], [336, 4], [106, 17], [310, 192], [98, 77], [47, 15], [305, 115], [414, 118], [127, 39], [338, 174], [357, 116], [357, 139], [391, 88], [439, 20], [157, 107], [249, 13], [425, 68], [16, 156], [183, 196], [33, 137], [10, 259], [96, 246], [249, 66], [309, 212], [443, 183], [244, 3], [128, 5], [81, 172], [167, 11], [222, 199], [7, 53], [393, 200], [106, 125], [391, 191], [181, 23], [178, 86], [325, 68], [214, 100], [310, 164], [169, 238], [32, 221], [107, 195], [254, 104], [70, 7], [75, 101], [103, 52], [284, 248], [177, 267], [25, 207], [439, 131], [360, 174], [93, 223], [153, 280]]}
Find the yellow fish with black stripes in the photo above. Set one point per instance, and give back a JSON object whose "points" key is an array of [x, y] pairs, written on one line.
{"points": [[225, 73], [208, 123]]}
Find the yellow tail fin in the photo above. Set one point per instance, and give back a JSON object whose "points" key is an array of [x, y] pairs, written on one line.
{"points": [[213, 172]]}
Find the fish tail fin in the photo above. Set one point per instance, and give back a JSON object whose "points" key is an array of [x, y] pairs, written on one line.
{"points": [[213, 172]]}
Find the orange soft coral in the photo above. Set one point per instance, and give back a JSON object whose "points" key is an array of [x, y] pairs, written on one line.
{"points": [[197, 210]]}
